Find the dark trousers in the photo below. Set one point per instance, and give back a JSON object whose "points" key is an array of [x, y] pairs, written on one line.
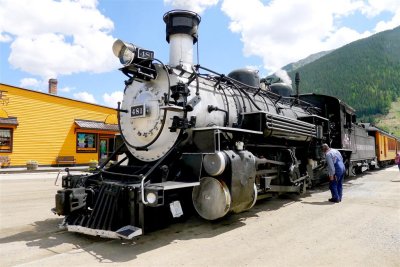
{"points": [[336, 187]]}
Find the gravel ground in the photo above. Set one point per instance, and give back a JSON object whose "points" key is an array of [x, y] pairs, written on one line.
{"points": [[362, 230]]}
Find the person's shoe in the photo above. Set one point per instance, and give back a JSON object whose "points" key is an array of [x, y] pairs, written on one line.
{"points": [[334, 200]]}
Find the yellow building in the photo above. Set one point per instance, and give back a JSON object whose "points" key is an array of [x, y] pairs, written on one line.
{"points": [[46, 127]]}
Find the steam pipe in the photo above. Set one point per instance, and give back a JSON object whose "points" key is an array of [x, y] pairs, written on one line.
{"points": [[297, 82]]}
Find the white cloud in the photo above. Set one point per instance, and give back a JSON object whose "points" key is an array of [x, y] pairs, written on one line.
{"points": [[4, 38], [193, 5], [280, 32], [85, 96], [388, 25], [112, 99], [66, 89], [41, 85], [51, 38], [342, 36], [373, 8], [31, 83]]}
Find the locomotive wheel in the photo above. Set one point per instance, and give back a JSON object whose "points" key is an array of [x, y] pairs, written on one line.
{"points": [[211, 198], [372, 167]]}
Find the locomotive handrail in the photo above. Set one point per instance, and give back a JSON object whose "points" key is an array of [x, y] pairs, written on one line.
{"points": [[209, 77], [292, 100], [122, 174], [233, 81], [313, 116], [227, 129], [196, 76]]}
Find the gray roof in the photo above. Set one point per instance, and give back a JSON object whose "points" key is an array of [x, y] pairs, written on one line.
{"points": [[96, 125], [372, 128], [9, 121]]}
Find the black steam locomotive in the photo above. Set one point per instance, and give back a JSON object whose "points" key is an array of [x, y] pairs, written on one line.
{"points": [[197, 140]]}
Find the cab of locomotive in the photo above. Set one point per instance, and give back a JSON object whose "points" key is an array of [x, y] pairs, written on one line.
{"points": [[340, 115]]}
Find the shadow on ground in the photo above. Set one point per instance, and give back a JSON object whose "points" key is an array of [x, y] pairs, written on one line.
{"points": [[46, 234]]}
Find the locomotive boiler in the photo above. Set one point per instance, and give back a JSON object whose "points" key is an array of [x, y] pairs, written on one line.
{"points": [[192, 140]]}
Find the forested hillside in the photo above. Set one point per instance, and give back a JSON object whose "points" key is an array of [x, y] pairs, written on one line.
{"points": [[365, 74], [311, 58], [391, 121]]}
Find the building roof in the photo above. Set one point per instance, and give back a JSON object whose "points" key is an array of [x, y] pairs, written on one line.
{"points": [[9, 121], [55, 96], [96, 125]]}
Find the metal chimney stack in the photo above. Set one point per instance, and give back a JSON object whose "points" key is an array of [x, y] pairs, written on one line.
{"points": [[181, 34]]}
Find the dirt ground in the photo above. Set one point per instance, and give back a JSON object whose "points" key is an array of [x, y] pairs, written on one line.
{"points": [[362, 230]]}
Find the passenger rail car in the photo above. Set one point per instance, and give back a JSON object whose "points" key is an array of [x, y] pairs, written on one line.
{"points": [[386, 144]]}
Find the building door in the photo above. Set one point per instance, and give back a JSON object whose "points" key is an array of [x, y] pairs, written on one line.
{"points": [[106, 145], [103, 149]]}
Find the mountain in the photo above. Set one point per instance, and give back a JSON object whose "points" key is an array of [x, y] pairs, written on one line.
{"points": [[365, 74], [391, 121], [311, 58]]}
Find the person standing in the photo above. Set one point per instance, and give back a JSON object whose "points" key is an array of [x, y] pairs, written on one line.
{"points": [[336, 171], [397, 160]]}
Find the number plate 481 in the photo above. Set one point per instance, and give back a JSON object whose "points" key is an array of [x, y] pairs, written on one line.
{"points": [[138, 111]]}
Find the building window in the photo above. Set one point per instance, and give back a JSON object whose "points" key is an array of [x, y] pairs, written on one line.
{"points": [[86, 142], [6, 140]]}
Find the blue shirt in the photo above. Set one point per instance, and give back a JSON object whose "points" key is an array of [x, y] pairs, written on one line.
{"points": [[335, 162]]}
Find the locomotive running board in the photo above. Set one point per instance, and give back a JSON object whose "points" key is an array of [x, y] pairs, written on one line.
{"points": [[126, 232], [169, 185]]}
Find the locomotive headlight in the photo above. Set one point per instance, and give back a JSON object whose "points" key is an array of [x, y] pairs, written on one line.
{"points": [[126, 56], [128, 53], [151, 197], [124, 51]]}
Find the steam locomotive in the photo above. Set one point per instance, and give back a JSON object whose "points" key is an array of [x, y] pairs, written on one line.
{"points": [[196, 140]]}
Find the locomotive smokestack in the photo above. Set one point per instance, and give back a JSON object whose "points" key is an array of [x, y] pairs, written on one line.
{"points": [[181, 34]]}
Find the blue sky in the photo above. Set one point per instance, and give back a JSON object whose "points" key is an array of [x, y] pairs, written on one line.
{"points": [[71, 40]]}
